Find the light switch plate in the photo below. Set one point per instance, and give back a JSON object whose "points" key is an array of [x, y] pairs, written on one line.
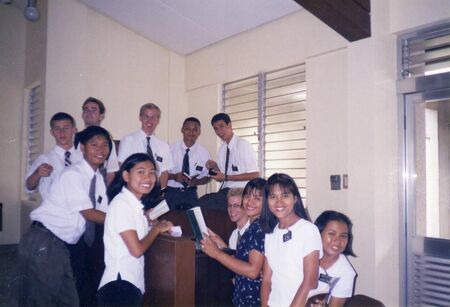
{"points": [[335, 181]]}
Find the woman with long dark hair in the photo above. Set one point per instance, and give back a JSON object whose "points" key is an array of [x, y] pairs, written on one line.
{"points": [[292, 245], [336, 274], [248, 261], [127, 234]]}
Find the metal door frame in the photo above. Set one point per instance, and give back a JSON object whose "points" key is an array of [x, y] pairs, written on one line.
{"points": [[412, 91]]}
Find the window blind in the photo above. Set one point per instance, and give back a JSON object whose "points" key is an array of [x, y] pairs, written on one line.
{"points": [[34, 124], [241, 101], [285, 124], [269, 110], [426, 54]]}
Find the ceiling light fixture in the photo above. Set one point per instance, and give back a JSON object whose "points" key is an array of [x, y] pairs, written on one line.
{"points": [[31, 12]]}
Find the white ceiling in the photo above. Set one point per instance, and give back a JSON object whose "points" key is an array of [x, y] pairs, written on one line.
{"points": [[185, 26]]}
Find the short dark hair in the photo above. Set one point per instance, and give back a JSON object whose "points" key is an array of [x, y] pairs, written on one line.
{"points": [[62, 116], [101, 106], [192, 119], [93, 131], [286, 183], [330, 215], [221, 116], [148, 200]]}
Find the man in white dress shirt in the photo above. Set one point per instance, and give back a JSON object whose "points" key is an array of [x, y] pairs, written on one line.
{"points": [[47, 167], [236, 163], [144, 140], [93, 113], [76, 198], [190, 170]]}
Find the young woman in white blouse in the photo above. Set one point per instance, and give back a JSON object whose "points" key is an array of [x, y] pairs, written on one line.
{"points": [[336, 274], [127, 234]]}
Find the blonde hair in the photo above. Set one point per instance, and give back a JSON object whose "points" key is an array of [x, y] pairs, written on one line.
{"points": [[149, 105], [235, 192]]}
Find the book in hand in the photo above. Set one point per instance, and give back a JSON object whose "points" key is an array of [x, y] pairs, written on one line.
{"points": [[188, 177], [159, 210], [195, 217]]}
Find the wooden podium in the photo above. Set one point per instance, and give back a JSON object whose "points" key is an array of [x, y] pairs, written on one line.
{"points": [[178, 275]]}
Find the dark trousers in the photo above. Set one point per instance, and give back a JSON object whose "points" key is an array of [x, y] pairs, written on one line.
{"points": [[88, 265], [46, 272], [181, 198], [119, 293], [216, 201]]}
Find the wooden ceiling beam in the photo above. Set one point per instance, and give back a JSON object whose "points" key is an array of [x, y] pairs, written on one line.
{"points": [[349, 18]]}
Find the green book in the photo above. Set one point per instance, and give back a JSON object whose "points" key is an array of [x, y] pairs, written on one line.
{"points": [[195, 217]]}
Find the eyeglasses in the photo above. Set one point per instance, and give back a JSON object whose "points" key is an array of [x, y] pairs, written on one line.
{"points": [[234, 206]]}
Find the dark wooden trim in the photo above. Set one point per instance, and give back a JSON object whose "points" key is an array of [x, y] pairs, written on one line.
{"points": [[349, 18]]}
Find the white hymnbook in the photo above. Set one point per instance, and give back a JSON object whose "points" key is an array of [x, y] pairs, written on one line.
{"points": [[159, 210]]}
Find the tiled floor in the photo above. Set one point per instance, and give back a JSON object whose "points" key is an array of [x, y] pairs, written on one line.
{"points": [[9, 275]]}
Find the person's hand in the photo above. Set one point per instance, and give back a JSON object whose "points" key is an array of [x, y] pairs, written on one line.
{"points": [[193, 182], [219, 177], [44, 170], [162, 226], [179, 177], [216, 239], [209, 247], [149, 221], [211, 164]]}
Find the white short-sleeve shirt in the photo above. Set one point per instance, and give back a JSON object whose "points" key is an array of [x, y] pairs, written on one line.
{"points": [[242, 160], [137, 142], [125, 212], [60, 211], [232, 241], [198, 155], [55, 157], [286, 259], [341, 269]]}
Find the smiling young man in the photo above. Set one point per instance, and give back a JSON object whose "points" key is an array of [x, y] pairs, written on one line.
{"points": [[93, 113], [144, 140], [75, 199], [190, 170], [236, 162], [46, 168]]}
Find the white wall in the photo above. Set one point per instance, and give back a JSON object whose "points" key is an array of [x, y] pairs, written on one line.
{"points": [[22, 63], [353, 118], [12, 68], [352, 106], [407, 15], [91, 55]]}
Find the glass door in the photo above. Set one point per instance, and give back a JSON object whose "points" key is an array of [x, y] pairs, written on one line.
{"points": [[427, 197]]}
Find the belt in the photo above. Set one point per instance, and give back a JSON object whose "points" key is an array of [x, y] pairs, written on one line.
{"points": [[42, 227], [184, 189]]}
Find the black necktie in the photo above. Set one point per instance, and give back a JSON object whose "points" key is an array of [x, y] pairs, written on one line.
{"points": [[67, 161], [227, 160], [89, 233], [238, 238], [185, 167], [149, 149]]}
